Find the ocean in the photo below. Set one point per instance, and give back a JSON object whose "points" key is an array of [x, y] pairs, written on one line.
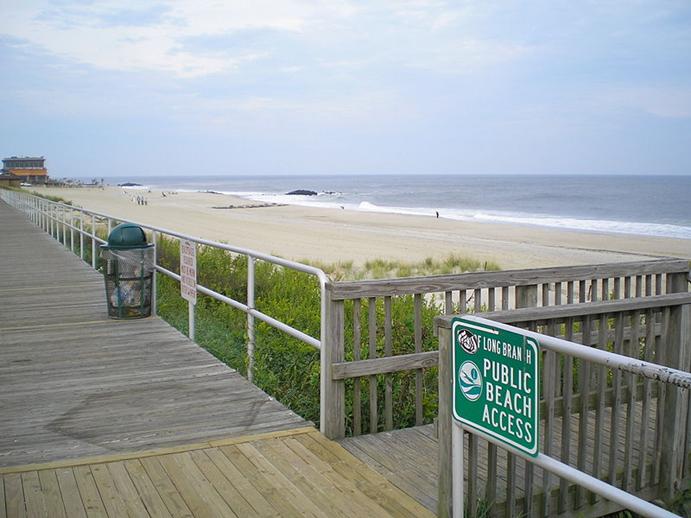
{"points": [[644, 205]]}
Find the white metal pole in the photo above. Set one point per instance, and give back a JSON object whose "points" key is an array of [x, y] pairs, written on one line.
{"points": [[93, 241], [190, 319], [250, 318], [63, 215], [457, 469], [72, 232], [81, 235]]}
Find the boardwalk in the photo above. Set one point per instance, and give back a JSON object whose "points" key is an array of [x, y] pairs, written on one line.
{"points": [[75, 383], [115, 418]]}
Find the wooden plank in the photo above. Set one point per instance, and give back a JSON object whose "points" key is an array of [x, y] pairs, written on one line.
{"points": [[232, 497], [395, 499], [14, 496], [285, 487], [126, 489], [101, 459], [479, 280], [647, 393], [448, 302], [616, 404], [566, 411], [111, 497], [522, 315], [549, 375], [601, 373], [357, 395], [294, 472], [93, 505], [630, 379], [388, 382], [511, 486], [417, 312], [343, 477], [584, 378], [198, 494], [333, 391], [445, 484], [262, 482], [74, 506], [372, 325], [147, 491], [170, 495], [51, 493], [337, 499], [259, 504], [33, 496]]}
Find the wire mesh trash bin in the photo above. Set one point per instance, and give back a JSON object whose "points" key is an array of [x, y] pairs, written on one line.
{"points": [[128, 272]]}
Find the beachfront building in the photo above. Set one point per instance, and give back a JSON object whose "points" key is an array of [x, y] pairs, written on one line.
{"points": [[29, 168]]}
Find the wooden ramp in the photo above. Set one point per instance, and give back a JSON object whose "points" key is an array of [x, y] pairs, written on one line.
{"points": [[74, 383]]}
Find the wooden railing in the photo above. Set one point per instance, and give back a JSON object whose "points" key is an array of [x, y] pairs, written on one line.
{"points": [[380, 348], [629, 431]]}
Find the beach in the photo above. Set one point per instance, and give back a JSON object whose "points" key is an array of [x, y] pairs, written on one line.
{"points": [[331, 235]]}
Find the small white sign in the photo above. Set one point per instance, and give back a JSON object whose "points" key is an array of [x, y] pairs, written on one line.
{"points": [[188, 270]]}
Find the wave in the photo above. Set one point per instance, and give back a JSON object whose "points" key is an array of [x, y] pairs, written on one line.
{"points": [[332, 200]]}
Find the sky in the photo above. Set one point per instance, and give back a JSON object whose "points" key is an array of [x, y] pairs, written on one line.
{"points": [[185, 87]]}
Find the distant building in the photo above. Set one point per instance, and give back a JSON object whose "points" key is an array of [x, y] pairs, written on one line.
{"points": [[9, 180], [29, 168]]}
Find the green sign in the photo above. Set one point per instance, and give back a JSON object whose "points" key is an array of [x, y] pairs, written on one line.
{"points": [[495, 384]]}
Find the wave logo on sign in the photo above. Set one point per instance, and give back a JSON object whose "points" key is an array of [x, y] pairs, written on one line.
{"points": [[468, 341], [470, 380]]}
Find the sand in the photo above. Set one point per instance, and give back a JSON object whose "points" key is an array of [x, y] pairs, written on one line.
{"points": [[331, 235]]}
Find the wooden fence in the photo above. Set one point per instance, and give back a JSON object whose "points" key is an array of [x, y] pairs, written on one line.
{"points": [[618, 427], [380, 350]]}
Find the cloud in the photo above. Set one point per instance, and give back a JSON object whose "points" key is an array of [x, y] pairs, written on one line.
{"points": [[121, 36], [189, 38]]}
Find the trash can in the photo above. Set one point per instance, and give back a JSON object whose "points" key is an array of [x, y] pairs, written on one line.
{"points": [[128, 272]]}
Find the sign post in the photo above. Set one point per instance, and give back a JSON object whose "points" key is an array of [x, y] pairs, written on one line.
{"points": [[188, 278], [495, 390]]}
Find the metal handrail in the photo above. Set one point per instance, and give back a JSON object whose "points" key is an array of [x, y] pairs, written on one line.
{"points": [[51, 217]]}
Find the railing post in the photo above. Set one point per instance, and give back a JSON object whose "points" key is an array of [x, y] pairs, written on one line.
{"points": [[445, 485], [332, 393], [250, 319], [71, 232], [93, 241], [526, 296], [64, 226], [677, 355], [81, 235], [190, 320]]}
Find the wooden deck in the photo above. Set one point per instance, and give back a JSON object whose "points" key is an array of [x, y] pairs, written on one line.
{"points": [[74, 383], [130, 418], [292, 473]]}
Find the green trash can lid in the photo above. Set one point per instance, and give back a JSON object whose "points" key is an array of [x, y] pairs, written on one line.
{"points": [[126, 236]]}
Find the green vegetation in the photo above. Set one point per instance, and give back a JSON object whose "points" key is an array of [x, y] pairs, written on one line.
{"points": [[383, 269], [286, 368]]}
